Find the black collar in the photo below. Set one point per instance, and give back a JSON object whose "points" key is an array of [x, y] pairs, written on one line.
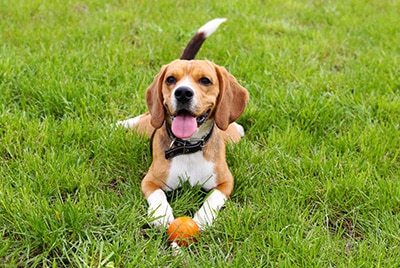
{"points": [[179, 146]]}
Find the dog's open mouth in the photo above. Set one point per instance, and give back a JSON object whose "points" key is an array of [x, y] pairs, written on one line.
{"points": [[184, 124]]}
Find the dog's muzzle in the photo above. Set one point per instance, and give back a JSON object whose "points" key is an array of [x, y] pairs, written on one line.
{"points": [[184, 95]]}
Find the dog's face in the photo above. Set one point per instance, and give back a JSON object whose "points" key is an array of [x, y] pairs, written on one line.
{"points": [[190, 87], [187, 93]]}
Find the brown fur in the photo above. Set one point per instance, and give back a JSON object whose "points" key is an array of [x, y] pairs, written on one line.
{"points": [[226, 99]]}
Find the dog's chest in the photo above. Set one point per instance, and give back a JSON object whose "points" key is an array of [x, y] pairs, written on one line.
{"points": [[193, 168]]}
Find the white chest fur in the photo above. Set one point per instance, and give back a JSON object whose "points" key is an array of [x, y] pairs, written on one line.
{"points": [[192, 168]]}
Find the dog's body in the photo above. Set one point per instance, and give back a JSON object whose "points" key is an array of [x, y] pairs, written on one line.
{"points": [[192, 108]]}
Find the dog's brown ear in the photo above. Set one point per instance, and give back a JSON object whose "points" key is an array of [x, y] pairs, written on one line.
{"points": [[232, 99], [154, 99]]}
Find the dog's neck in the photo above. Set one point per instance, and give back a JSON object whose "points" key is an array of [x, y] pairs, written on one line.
{"points": [[191, 145], [202, 131]]}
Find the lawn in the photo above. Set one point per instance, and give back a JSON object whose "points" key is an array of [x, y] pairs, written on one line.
{"points": [[317, 180]]}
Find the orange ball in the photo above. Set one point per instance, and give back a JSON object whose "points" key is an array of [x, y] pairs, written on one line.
{"points": [[183, 230]]}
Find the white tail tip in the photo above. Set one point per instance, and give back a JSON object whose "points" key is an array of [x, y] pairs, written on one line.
{"points": [[210, 27]]}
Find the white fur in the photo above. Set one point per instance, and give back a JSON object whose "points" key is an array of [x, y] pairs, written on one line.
{"points": [[184, 83], [159, 209], [210, 27], [129, 123], [208, 212], [192, 168], [239, 128], [197, 171], [201, 131]]}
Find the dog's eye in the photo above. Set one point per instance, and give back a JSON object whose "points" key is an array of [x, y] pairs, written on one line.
{"points": [[205, 81], [170, 81]]}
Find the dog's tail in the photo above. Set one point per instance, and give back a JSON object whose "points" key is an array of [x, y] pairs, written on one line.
{"points": [[202, 34]]}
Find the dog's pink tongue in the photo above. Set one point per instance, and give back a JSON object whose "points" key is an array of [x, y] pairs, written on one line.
{"points": [[184, 126]]}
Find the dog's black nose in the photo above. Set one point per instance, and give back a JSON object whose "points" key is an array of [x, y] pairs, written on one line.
{"points": [[184, 94]]}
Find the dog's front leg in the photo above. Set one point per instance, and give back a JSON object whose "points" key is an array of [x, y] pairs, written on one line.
{"points": [[209, 210], [159, 209]]}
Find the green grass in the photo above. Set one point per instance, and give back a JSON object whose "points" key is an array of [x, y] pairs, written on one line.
{"points": [[317, 176]]}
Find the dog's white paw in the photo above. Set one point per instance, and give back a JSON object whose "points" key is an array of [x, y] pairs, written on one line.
{"points": [[159, 209], [162, 217], [128, 123], [209, 210], [240, 129]]}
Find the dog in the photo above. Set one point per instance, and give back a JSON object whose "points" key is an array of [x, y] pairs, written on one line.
{"points": [[193, 105]]}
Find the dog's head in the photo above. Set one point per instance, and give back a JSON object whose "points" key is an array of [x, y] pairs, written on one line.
{"points": [[187, 93]]}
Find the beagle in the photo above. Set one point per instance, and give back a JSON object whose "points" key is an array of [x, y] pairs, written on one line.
{"points": [[192, 108]]}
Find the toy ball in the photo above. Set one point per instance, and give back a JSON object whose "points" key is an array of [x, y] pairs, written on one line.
{"points": [[183, 230]]}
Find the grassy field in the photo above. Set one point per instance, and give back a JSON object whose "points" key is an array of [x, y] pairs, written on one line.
{"points": [[317, 176]]}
